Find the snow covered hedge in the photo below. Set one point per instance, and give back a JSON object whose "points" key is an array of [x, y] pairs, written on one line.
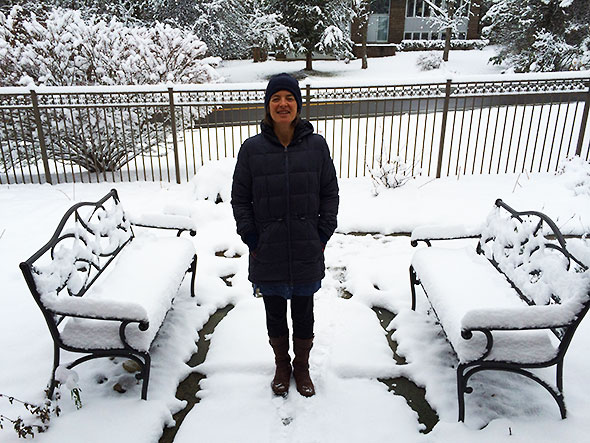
{"points": [[63, 48], [429, 45]]}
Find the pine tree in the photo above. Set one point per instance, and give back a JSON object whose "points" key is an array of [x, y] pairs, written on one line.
{"points": [[318, 25], [265, 31], [535, 35]]}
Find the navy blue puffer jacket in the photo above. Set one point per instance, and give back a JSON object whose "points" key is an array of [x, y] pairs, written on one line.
{"points": [[285, 203]]}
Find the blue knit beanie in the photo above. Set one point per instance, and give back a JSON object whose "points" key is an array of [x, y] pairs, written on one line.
{"points": [[283, 82]]}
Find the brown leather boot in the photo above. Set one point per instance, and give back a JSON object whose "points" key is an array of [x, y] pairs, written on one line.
{"points": [[282, 379], [302, 347]]}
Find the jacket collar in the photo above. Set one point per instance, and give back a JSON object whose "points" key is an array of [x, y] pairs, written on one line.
{"points": [[302, 129]]}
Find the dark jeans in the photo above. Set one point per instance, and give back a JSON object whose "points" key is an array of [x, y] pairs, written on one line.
{"points": [[301, 314]]}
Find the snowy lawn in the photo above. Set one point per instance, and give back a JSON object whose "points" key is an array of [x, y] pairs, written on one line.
{"points": [[351, 350], [384, 70]]}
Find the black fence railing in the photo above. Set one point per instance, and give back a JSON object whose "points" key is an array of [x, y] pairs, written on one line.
{"points": [[92, 134]]}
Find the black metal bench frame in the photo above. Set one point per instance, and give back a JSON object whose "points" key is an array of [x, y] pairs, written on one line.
{"points": [[564, 333], [54, 319]]}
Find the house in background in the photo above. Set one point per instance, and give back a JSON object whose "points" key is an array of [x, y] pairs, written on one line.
{"points": [[392, 21]]}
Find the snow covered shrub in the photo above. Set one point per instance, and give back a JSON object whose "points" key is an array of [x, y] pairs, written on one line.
{"points": [[429, 61], [576, 172], [430, 45], [63, 48], [101, 141], [213, 181], [69, 378], [392, 174]]}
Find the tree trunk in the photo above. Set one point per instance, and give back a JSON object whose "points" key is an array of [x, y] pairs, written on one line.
{"points": [[308, 60], [364, 28], [448, 33], [256, 54]]}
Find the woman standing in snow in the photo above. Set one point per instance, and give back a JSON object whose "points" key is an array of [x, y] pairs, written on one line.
{"points": [[285, 202]]}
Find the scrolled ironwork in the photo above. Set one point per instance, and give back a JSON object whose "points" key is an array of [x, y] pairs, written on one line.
{"points": [[529, 241]]}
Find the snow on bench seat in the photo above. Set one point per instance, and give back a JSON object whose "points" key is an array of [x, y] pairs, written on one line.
{"points": [[461, 283], [141, 285]]}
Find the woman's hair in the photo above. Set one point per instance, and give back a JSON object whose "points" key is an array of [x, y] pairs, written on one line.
{"points": [[267, 120]]}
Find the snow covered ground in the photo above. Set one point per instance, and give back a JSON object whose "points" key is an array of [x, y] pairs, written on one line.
{"points": [[351, 351], [384, 70]]}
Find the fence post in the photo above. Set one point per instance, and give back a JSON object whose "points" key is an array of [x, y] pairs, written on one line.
{"points": [[443, 128], [174, 136], [307, 100], [584, 122], [37, 115]]}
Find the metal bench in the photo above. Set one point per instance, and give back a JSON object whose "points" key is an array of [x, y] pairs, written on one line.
{"points": [[512, 304], [103, 291]]}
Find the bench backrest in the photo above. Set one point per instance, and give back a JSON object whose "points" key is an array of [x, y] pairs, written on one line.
{"points": [[88, 238], [528, 248]]}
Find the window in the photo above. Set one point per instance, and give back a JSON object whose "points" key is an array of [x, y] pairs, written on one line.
{"points": [[420, 8], [378, 28], [410, 8], [408, 36], [380, 7]]}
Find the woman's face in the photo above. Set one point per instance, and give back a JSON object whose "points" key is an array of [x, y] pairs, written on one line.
{"points": [[282, 107]]}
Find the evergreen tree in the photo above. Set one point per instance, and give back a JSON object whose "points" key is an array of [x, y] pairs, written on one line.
{"points": [[219, 23], [540, 35], [318, 25], [265, 31]]}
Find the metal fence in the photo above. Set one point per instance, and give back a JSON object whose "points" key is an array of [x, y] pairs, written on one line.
{"points": [[58, 135]]}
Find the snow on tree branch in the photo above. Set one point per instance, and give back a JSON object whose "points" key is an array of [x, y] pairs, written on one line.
{"points": [[66, 49]]}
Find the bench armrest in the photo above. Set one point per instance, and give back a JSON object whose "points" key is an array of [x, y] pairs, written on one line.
{"points": [[178, 223], [95, 309], [526, 317], [428, 233]]}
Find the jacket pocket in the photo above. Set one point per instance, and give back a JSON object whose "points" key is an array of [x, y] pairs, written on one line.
{"points": [[271, 243], [307, 245]]}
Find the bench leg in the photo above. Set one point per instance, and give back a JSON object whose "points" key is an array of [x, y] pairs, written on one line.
{"points": [[413, 282], [145, 375], [193, 270], [461, 390], [53, 382]]}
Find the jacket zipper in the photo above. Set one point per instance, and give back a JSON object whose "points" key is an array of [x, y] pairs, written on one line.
{"points": [[288, 218]]}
